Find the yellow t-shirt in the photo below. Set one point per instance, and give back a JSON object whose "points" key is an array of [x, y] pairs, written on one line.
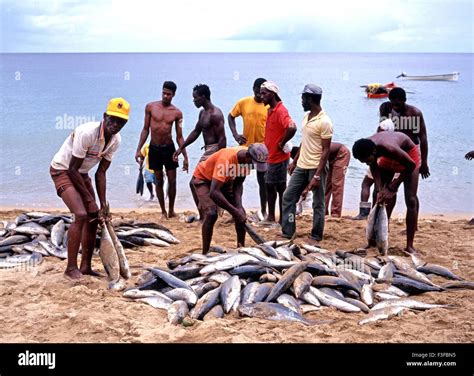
{"points": [[314, 130], [254, 116], [144, 152]]}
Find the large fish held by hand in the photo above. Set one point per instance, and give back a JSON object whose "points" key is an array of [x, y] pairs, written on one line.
{"points": [[140, 182], [108, 255], [381, 230]]}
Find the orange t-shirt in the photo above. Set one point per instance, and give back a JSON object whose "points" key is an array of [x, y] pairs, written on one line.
{"points": [[222, 166]]}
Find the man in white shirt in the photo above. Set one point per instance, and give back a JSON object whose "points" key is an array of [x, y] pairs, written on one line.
{"points": [[90, 144]]}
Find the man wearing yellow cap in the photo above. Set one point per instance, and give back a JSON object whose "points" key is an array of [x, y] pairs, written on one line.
{"points": [[90, 144]]}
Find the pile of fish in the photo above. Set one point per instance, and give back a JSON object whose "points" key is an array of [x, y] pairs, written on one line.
{"points": [[32, 235], [278, 280]]}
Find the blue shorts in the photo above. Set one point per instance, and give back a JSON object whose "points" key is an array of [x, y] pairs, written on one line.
{"points": [[149, 177]]}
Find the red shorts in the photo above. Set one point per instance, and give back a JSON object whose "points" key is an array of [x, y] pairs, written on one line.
{"points": [[62, 181], [391, 165]]}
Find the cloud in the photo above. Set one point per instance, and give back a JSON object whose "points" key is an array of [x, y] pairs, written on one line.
{"points": [[247, 25]]}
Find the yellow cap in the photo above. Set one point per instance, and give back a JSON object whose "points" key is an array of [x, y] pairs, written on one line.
{"points": [[118, 107]]}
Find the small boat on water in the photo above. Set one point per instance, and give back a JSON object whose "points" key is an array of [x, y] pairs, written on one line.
{"points": [[434, 77], [378, 90]]}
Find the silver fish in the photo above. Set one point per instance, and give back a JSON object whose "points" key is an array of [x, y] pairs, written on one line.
{"points": [[289, 302], [57, 233], [177, 311], [229, 263], [409, 303], [108, 255], [32, 228], [249, 292], [381, 230], [302, 283], [206, 303], [330, 301], [185, 295], [215, 313], [272, 311], [367, 294], [122, 258], [382, 314], [158, 302], [230, 293], [286, 280], [140, 294]]}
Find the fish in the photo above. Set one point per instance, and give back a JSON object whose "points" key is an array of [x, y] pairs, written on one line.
{"points": [[253, 234], [310, 298], [135, 293], [381, 230], [272, 311], [140, 182], [14, 239], [438, 270], [185, 295], [205, 288], [390, 290], [409, 303], [32, 228], [249, 293], [289, 302], [367, 294], [108, 255], [330, 301], [267, 277], [302, 283], [270, 251], [158, 302], [32, 259], [382, 314], [228, 263], [58, 252], [122, 258], [286, 280], [262, 291], [187, 272], [215, 313], [386, 271], [230, 293], [413, 287], [206, 303], [177, 311], [307, 308], [219, 277], [251, 271], [458, 285], [329, 281], [314, 249], [169, 279], [57, 233], [371, 222], [363, 307], [381, 296]]}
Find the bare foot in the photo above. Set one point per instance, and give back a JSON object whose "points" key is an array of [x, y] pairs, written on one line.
{"points": [[73, 273], [89, 271], [164, 215], [172, 214]]}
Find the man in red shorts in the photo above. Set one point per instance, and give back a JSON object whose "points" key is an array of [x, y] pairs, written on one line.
{"points": [[387, 153], [90, 144], [218, 182]]}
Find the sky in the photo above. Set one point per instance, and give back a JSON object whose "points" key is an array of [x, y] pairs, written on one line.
{"points": [[240, 26]]}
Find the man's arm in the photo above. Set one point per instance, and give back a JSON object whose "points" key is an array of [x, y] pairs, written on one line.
{"points": [[404, 159], [78, 182], [239, 191], [218, 197], [424, 169], [143, 135], [292, 165], [220, 130], [288, 135], [240, 138], [316, 180], [180, 139], [101, 182], [190, 139]]}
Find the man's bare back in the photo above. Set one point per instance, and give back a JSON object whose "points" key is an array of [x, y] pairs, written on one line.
{"points": [[390, 140]]}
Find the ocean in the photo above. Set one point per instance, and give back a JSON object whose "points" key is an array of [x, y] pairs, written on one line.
{"points": [[44, 96]]}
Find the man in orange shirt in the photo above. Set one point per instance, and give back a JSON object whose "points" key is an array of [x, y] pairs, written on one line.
{"points": [[218, 181]]}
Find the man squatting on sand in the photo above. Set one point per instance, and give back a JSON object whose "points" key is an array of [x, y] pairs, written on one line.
{"points": [[159, 119], [218, 182], [90, 144]]}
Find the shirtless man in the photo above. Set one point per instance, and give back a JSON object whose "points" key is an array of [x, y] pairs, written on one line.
{"points": [[159, 118], [211, 124], [387, 153]]}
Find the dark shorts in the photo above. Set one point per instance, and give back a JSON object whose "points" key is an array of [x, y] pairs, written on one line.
{"points": [[277, 173], [162, 155], [203, 192], [62, 181]]}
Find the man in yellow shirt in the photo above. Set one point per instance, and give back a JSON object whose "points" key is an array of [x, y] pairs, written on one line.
{"points": [[254, 117]]}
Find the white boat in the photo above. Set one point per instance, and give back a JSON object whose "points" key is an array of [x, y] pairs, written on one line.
{"points": [[435, 77]]}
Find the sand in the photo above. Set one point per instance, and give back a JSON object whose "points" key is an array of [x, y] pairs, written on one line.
{"points": [[40, 305]]}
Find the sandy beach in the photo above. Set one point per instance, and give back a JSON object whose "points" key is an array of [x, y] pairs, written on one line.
{"points": [[40, 305]]}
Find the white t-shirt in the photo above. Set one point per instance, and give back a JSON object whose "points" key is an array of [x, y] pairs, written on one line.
{"points": [[86, 142]]}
